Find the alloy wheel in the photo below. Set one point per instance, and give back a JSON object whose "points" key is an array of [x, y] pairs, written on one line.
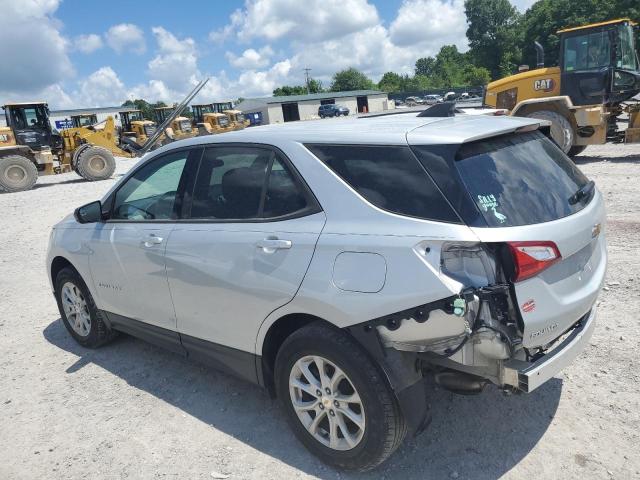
{"points": [[76, 309]]}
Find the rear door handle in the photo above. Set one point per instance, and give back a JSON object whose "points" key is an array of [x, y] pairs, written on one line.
{"points": [[270, 245], [152, 240]]}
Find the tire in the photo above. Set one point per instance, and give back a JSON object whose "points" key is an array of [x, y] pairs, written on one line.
{"points": [[576, 150], [561, 129], [78, 311], [95, 163], [17, 173], [382, 426]]}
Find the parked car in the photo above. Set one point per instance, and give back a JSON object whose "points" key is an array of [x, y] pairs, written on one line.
{"points": [[332, 110], [431, 99], [413, 101], [339, 267]]}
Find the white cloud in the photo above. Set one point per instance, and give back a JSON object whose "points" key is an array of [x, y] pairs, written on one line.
{"points": [[429, 24], [126, 37], [88, 43], [251, 58], [34, 52], [308, 20], [176, 61], [252, 83], [102, 88]]}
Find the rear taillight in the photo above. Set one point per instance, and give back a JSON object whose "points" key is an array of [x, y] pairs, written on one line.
{"points": [[532, 258]]}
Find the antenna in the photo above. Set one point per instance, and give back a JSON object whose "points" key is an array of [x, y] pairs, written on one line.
{"points": [[306, 77]]}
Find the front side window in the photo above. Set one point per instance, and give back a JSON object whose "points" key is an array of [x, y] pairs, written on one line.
{"points": [[626, 52], [587, 52], [242, 183], [389, 177], [151, 193]]}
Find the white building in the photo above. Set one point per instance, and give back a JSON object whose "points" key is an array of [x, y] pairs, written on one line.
{"points": [[305, 107]]}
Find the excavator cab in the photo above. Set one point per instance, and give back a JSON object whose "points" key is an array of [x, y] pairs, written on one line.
{"points": [[30, 124], [84, 120], [599, 63]]}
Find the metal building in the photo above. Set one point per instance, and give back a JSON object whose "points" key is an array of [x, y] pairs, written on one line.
{"points": [[305, 107]]}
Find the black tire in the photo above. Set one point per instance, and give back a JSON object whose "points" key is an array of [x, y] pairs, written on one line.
{"points": [[95, 163], [576, 150], [98, 333], [385, 427], [17, 173], [561, 129]]}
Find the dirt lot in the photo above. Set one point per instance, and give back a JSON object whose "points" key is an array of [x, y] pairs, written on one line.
{"points": [[130, 410]]}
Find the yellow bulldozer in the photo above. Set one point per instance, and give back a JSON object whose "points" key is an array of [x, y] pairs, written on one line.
{"points": [[588, 94], [29, 146]]}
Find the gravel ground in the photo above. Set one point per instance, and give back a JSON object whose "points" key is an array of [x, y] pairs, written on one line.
{"points": [[131, 410]]}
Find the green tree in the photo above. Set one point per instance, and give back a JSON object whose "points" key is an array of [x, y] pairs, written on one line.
{"points": [[315, 86], [350, 79], [546, 17], [476, 76], [145, 107], [424, 66], [494, 35]]}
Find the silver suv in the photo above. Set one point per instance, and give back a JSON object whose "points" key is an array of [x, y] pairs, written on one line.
{"points": [[339, 264]]}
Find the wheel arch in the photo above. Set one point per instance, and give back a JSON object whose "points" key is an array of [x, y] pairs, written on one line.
{"points": [[561, 105], [57, 264], [277, 332]]}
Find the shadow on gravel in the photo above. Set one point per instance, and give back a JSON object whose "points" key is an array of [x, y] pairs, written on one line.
{"points": [[585, 159], [54, 184], [479, 437]]}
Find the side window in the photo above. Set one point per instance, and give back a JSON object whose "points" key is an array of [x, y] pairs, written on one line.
{"points": [[284, 196], [152, 192], [241, 183], [389, 177]]}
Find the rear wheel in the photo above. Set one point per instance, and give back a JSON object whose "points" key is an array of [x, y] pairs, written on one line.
{"points": [[561, 129], [95, 163], [17, 173], [336, 400]]}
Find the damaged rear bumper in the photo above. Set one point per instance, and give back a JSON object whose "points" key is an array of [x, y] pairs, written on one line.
{"points": [[527, 376]]}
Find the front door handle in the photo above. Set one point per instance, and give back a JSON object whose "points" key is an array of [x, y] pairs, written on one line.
{"points": [[270, 245], [152, 240]]}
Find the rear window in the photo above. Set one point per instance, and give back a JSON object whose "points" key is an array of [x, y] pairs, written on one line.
{"points": [[519, 179], [389, 177]]}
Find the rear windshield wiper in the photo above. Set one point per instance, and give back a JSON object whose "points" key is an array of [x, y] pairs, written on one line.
{"points": [[583, 192]]}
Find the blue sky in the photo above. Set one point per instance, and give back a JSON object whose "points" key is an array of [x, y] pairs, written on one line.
{"points": [[75, 53]]}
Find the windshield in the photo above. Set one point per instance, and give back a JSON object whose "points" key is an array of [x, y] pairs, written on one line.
{"points": [[519, 180], [33, 116], [626, 52], [590, 51]]}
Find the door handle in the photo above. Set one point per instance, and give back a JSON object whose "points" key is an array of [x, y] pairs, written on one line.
{"points": [[152, 240], [270, 245]]}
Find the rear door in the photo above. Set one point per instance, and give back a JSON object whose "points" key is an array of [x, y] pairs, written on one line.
{"points": [[523, 190], [251, 235]]}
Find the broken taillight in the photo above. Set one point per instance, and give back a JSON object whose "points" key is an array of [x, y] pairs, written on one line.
{"points": [[531, 258]]}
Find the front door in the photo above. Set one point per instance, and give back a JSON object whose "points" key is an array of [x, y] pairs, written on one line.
{"points": [[127, 262], [252, 232]]}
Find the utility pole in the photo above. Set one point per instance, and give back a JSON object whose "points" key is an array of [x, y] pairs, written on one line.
{"points": [[306, 76]]}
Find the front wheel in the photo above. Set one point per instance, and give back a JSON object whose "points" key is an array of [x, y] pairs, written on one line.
{"points": [[17, 173], [561, 129], [95, 163], [336, 399]]}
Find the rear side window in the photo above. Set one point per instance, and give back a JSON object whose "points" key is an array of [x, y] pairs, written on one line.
{"points": [[389, 177], [519, 179]]}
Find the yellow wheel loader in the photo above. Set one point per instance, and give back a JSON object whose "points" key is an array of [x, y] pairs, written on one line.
{"points": [[29, 146], [208, 121], [179, 128], [135, 128], [588, 94], [84, 120]]}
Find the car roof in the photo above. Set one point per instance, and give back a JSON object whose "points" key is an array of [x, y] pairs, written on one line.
{"points": [[395, 129]]}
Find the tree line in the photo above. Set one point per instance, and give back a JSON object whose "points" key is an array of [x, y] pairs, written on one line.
{"points": [[500, 39]]}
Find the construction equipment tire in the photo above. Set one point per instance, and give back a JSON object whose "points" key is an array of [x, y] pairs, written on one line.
{"points": [[561, 129], [95, 163], [17, 173]]}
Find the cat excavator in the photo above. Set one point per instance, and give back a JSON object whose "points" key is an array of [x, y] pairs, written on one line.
{"points": [[29, 146]]}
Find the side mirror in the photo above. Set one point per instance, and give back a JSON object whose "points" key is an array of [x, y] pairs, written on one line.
{"points": [[89, 213]]}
